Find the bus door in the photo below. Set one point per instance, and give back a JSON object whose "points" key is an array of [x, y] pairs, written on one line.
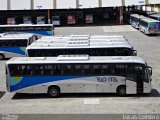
{"points": [[131, 84], [147, 80], [139, 77]]}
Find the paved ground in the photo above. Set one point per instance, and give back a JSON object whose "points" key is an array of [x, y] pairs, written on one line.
{"points": [[147, 46]]}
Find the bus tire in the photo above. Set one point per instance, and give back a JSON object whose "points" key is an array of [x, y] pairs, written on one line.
{"points": [[53, 91], [2, 56], [121, 90]]}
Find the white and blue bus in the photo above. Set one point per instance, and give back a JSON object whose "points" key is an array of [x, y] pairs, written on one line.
{"points": [[149, 26], [155, 16], [38, 29], [14, 45], [78, 74], [135, 19], [93, 46]]}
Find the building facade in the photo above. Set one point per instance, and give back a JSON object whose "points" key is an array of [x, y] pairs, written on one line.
{"points": [[69, 11]]}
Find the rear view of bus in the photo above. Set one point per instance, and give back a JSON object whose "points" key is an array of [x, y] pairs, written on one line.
{"points": [[149, 26], [135, 19], [78, 74], [14, 45]]}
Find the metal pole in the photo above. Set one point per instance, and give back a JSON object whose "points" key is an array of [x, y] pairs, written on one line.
{"points": [[121, 15], [49, 17]]}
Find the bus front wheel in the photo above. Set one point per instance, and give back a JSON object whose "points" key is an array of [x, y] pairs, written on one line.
{"points": [[121, 90], [54, 91], [1, 57]]}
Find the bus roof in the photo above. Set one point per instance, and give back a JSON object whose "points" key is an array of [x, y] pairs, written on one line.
{"points": [[78, 44], [14, 38], [76, 59], [149, 20], [156, 15], [17, 35], [67, 39], [97, 38], [10, 37], [25, 25], [137, 16]]}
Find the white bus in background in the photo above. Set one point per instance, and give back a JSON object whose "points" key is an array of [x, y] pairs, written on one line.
{"points": [[149, 26], [78, 74], [155, 16], [66, 46], [38, 29], [135, 19], [14, 45]]}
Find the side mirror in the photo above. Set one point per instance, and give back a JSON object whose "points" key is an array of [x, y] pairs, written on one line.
{"points": [[135, 52], [150, 70]]}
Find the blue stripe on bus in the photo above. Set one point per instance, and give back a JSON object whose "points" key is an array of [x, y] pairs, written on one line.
{"points": [[16, 50], [46, 33], [31, 81]]}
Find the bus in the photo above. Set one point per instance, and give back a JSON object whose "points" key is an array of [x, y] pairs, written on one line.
{"points": [[78, 74], [51, 48], [14, 45], [38, 29], [134, 20], [149, 26], [155, 16], [92, 38]]}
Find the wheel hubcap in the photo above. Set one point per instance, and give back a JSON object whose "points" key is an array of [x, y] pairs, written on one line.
{"points": [[53, 92], [122, 91]]}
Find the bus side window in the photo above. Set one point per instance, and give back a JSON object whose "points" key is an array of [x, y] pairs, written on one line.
{"points": [[130, 73], [119, 70], [67, 69], [97, 69], [58, 70], [78, 69], [106, 69], [30, 40], [12, 70]]}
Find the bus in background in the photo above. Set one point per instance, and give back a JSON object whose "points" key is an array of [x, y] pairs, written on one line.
{"points": [[41, 29], [135, 19], [14, 45], [149, 26], [78, 74], [155, 16], [66, 46]]}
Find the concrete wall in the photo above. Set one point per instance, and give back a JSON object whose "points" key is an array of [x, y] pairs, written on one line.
{"points": [[43, 4], [20, 4]]}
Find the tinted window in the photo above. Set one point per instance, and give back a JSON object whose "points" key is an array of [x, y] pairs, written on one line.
{"points": [[13, 43]]}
